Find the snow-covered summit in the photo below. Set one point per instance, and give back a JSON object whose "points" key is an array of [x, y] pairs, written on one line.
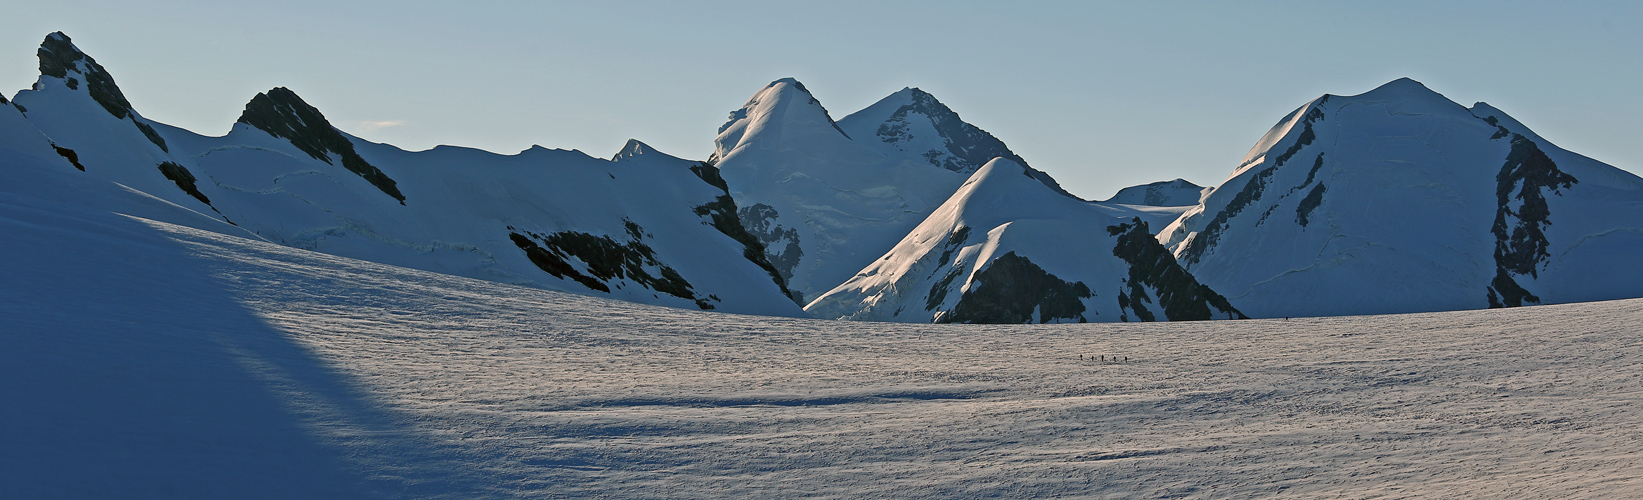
{"points": [[1174, 193], [1400, 200], [634, 149], [1007, 249], [784, 107], [912, 123], [823, 205]]}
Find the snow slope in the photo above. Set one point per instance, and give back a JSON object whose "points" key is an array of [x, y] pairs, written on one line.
{"points": [[1006, 249], [644, 226], [1400, 200], [141, 359]]}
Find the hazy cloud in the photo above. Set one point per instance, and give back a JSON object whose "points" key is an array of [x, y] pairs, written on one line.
{"points": [[373, 125]]}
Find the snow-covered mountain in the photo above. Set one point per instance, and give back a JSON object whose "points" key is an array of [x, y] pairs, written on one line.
{"points": [[823, 205], [1007, 249], [913, 124], [1176, 193], [644, 226], [826, 198], [1400, 200], [1395, 200]]}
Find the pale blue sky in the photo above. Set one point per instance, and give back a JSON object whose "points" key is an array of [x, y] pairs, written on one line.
{"points": [[1101, 95]]}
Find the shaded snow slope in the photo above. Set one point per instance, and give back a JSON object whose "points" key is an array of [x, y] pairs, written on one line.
{"points": [[1006, 249], [1176, 193], [1400, 200], [146, 360], [641, 227]]}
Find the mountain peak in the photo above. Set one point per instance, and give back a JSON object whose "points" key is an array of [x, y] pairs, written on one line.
{"points": [[913, 124], [281, 113], [784, 106], [1404, 88], [60, 59], [635, 150], [1178, 192], [632, 149]]}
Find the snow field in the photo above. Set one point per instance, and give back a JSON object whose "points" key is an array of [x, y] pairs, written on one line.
{"points": [[265, 363]]}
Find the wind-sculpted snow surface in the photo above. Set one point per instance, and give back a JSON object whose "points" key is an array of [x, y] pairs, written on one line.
{"points": [[1400, 200], [1006, 249], [146, 360]]}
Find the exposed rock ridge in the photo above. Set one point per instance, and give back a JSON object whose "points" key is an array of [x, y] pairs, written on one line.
{"points": [[59, 58], [1254, 188], [1153, 268], [1013, 290], [723, 215], [280, 113], [1520, 239]]}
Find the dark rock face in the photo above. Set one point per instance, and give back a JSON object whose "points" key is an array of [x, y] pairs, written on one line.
{"points": [[968, 147], [184, 179], [605, 259], [781, 243], [722, 215], [1520, 239], [1011, 289], [152, 136], [1152, 266], [1308, 204], [1256, 186], [938, 292], [58, 58], [280, 113], [70, 155]]}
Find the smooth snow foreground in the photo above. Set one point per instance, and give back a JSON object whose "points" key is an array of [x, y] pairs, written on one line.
{"points": [[142, 359]]}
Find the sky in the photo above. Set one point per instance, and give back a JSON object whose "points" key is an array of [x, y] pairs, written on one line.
{"points": [[1101, 95]]}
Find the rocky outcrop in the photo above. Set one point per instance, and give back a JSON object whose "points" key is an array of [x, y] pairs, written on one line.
{"points": [[1521, 217], [1153, 269], [280, 113], [1014, 290]]}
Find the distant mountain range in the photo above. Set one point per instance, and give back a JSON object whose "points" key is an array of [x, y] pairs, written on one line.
{"points": [[1396, 200]]}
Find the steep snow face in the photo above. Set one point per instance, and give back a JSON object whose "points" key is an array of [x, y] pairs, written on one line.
{"points": [[912, 124], [1006, 249], [1400, 200], [1176, 193], [646, 227], [823, 205]]}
